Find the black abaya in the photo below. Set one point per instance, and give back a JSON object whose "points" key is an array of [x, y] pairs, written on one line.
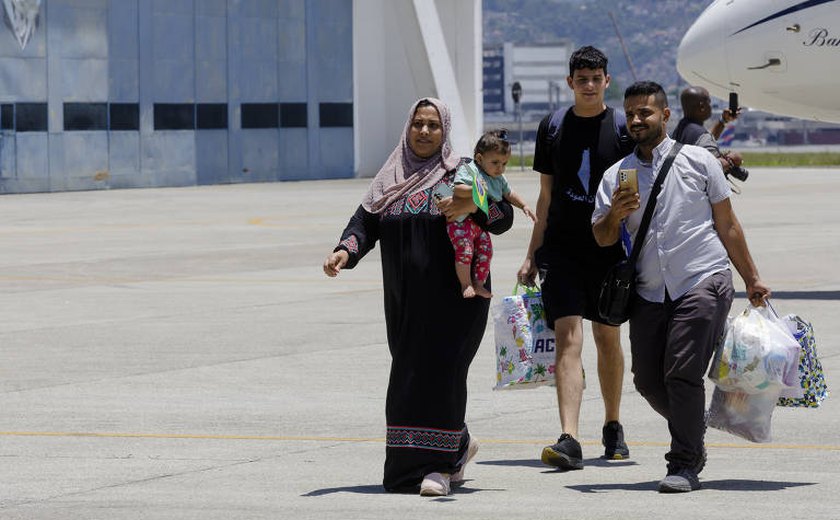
{"points": [[433, 335]]}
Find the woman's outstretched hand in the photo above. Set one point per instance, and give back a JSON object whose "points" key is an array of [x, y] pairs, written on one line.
{"points": [[335, 262]]}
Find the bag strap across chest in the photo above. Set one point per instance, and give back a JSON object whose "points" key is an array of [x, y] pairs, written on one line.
{"points": [[651, 203]]}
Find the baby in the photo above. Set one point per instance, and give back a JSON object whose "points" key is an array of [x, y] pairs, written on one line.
{"points": [[485, 176]]}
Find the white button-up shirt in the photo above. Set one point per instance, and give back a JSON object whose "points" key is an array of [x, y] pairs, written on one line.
{"points": [[681, 247]]}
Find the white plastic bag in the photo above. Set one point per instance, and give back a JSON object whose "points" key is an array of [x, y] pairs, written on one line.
{"points": [[746, 415], [758, 351], [525, 354], [757, 359]]}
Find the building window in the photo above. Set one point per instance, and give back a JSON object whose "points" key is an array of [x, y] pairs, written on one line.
{"points": [[7, 116], [336, 115], [85, 116], [260, 115], [174, 116], [211, 116], [125, 116], [293, 115], [31, 117]]}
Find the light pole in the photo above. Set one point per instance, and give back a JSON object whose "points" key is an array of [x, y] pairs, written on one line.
{"points": [[516, 92], [553, 95]]}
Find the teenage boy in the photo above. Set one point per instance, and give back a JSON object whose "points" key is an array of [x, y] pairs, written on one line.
{"points": [[573, 149]]}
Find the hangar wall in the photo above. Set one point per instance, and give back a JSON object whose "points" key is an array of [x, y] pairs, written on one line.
{"points": [[146, 93], [142, 93]]}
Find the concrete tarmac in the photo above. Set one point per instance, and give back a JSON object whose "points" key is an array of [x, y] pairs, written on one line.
{"points": [[179, 354]]}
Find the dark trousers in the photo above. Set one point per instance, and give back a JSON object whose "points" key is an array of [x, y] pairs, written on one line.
{"points": [[671, 344]]}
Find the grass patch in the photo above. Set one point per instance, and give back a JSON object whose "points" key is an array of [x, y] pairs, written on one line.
{"points": [[793, 159], [514, 160], [751, 159]]}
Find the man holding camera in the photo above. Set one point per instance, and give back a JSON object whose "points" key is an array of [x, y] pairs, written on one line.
{"points": [[697, 108]]}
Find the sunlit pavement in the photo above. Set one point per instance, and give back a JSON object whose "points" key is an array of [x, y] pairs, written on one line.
{"points": [[178, 353]]}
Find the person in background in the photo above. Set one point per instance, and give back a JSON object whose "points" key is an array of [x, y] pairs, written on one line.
{"points": [[683, 280], [591, 137], [697, 108], [427, 441]]}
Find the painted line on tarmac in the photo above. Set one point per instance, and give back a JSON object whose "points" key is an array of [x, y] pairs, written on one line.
{"points": [[312, 438], [186, 280], [196, 436]]}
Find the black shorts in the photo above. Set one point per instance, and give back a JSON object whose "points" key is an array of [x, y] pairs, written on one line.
{"points": [[571, 288]]}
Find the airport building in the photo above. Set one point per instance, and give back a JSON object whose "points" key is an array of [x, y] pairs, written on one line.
{"points": [[540, 69], [98, 94]]}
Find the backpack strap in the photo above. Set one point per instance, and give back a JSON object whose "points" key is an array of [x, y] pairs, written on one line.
{"points": [[555, 125], [620, 122]]}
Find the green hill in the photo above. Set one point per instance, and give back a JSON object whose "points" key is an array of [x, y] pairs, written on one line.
{"points": [[652, 30]]}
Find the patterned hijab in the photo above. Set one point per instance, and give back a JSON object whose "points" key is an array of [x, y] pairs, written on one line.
{"points": [[405, 172]]}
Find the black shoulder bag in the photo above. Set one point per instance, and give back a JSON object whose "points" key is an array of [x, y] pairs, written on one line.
{"points": [[620, 283]]}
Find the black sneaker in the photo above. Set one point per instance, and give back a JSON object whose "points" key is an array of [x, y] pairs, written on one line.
{"points": [[701, 462], [565, 454], [612, 437], [680, 480]]}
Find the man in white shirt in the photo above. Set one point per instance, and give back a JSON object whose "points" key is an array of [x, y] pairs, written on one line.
{"points": [[683, 281]]}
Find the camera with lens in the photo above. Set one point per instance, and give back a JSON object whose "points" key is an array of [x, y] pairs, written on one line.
{"points": [[738, 172]]}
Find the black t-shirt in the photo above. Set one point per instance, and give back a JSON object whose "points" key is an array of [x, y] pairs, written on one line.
{"points": [[687, 131], [577, 161], [690, 132]]}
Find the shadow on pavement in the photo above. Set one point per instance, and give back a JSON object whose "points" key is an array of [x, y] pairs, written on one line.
{"points": [[379, 490], [752, 485], [719, 485], [536, 463], [372, 489], [532, 463]]}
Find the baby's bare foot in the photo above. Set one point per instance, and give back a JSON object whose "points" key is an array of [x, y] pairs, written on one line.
{"points": [[481, 291]]}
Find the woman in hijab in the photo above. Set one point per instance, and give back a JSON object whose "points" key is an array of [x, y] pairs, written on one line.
{"points": [[433, 332]]}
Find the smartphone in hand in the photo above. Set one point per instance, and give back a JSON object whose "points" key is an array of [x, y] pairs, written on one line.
{"points": [[628, 180], [733, 103], [442, 191]]}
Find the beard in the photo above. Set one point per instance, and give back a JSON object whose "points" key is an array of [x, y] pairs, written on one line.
{"points": [[647, 136]]}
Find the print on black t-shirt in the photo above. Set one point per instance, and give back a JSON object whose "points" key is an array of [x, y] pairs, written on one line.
{"points": [[577, 161]]}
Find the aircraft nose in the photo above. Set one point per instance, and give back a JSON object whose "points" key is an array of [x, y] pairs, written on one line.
{"points": [[701, 57]]}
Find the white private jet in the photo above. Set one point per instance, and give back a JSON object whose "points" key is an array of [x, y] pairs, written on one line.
{"points": [[780, 56]]}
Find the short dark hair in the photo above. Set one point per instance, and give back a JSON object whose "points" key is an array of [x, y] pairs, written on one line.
{"points": [[493, 141], [587, 57], [648, 88]]}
